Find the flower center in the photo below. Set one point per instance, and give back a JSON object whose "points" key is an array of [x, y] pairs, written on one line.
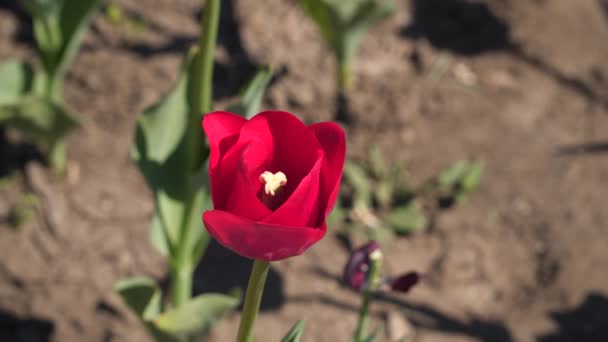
{"points": [[272, 182], [271, 194]]}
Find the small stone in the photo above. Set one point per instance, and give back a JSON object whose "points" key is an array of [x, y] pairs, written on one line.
{"points": [[464, 74], [398, 327], [501, 79]]}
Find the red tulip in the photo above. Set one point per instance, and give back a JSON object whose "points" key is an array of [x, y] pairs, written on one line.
{"points": [[273, 181]]}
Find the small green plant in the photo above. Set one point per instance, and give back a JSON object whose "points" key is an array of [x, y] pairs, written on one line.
{"points": [[379, 202], [171, 154], [24, 210], [30, 99], [343, 23], [132, 26], [295, 333]]}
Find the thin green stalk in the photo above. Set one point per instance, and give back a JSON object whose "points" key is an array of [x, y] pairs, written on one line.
{"points": [[203, 90], [202, 77], [361, 331], [372, 282], [181, 284], [253, 298], [57, 156], [344, 76], [201, 97]]}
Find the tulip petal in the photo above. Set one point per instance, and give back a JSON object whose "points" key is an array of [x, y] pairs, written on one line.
{"points": [[333, 142], [301, 208], [260, 241], [222, 130], [296, 149], [240, 171]]}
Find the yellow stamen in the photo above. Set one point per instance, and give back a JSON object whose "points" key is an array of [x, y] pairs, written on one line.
{"points": [[272, 182]]}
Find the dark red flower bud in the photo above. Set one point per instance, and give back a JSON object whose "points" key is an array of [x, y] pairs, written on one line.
{"points": [[405, 282], [356, 268]]}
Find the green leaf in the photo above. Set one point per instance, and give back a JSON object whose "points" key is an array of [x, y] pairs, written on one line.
{"points": [[337, 215], [357, 177], [142, 295], [195, 316], [163, 153], [375, 335], [199, 238], [472, 178], [16, 80], [74, 17], [158, 236], [453, 174], [44, 120], [252, 94], [377, 164], [343, 23], [367, 14], [295, 333], [324, 15], [407, 218]]}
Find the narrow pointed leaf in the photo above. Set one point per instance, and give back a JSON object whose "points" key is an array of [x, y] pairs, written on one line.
{"points": [[74, 18], [452, 175], [158, 236], [295, 333], [16, 80], [42, 119], [407, 218], [142, 295], [162, 154], [196, 316], [251, 96]]}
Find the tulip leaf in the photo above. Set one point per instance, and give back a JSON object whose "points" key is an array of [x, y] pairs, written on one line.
{"points": [[471, 180], [195, 316], [357, 177], [142, 295], [162, 153], [375, 335], [407, 218], [75, 16], [16, 80], [164, 124], [199, 238], [452, 175], [45, 120], [251, 96], [377, 165], [158, 236], [460, 179], [58, 29], [295, 333], [343, 23]]}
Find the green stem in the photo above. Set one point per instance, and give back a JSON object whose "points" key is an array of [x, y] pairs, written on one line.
{"points": [[181, 284], [203, 87], [344, 76], [373, 279], [361, 332], [253, 298], [57, 156], [201, 93]]}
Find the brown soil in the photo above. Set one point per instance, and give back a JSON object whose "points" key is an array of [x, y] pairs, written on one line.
{"points": [[521, 84]]}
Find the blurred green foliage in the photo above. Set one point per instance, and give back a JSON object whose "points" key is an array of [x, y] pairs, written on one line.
{"points": [[379, 202], [30, 99], [343, 24]]}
